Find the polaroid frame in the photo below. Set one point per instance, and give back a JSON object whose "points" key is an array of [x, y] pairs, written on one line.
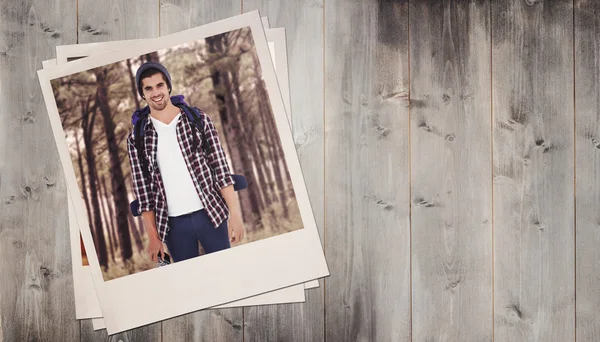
{"points": [[86, 302], [262, 266]]}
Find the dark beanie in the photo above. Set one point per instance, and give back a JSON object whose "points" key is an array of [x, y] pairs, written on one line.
{"points": [[151, 65]]}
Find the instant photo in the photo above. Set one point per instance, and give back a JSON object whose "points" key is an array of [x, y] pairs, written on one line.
{"points": [[86, 302], [223, 68]]}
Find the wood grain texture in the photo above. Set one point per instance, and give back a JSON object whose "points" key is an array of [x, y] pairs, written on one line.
{"points": [[367, 296], [451, 168], [533, 117], [109, 20], [209, 324], [149, 333], [303, 23], [587, 157], [494, 202], [106, 20], [36, 283]]}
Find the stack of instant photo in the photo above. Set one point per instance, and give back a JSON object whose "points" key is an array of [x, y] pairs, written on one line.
{"points": [[229, 80]]}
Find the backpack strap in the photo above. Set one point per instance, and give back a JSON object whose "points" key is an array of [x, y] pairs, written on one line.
{"points": [[195, 116], [138, 132]]}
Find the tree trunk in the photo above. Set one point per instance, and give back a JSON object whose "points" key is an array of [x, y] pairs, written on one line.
{"points": [[279, 161], [244, 115], [152, 57], [270, 157], [135, 229], [242, 143], [257, 136], [87, 123], [119, 191], [232, 133], [84, 185], [134, 89], [113, 229], [110, 212], [107, 220]]}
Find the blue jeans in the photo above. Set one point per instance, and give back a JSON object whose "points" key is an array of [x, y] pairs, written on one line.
{"points": [[186, 230]]}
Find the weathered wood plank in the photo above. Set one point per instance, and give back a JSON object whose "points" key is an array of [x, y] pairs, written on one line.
{"points": [[303, 23], [36, 285], [367, 297], [108, 20], [451, 168], [210, 324], [532, 91], [150, 333], [587, 157]]}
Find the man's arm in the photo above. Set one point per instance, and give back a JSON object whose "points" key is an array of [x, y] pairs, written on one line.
{"points": [[216, 156], [236, 224], [155, 244], [142, 188], [223, 179]]}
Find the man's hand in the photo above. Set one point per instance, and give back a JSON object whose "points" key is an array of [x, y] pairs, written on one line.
{"points": [[236, 227], [154, 247]]}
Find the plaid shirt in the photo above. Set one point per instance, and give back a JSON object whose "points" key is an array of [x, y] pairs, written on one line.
{"points": [[209, 172]]}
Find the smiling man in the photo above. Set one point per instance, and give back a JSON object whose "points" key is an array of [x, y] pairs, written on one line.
{"points": [[186, 193]]}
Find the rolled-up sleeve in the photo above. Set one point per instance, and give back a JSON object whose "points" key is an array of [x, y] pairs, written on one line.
{"points": [[216, 156], [142, 187]]}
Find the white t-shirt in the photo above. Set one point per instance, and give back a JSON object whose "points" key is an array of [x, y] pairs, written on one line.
{"points": [[182, 197]]}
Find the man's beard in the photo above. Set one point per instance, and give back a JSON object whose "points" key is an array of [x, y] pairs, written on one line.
{"points": [[160, 105]]}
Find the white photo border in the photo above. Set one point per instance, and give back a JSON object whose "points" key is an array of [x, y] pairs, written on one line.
{"points": [[262, 266], [86, 301]]}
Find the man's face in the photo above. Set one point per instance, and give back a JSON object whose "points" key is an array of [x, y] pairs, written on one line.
{"points": [[156, 91]]}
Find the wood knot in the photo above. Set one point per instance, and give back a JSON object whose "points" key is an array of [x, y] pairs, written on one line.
{"points": [[543, 145], [596, 143], [424, 127], [513, 313], [49, 183], [48, 30], [234, 325], [450, 137], [383, 132], [423, 203], [46, 272], [28, 118], [453, 283], [93, 32], [446, 97], [301, 139], [384, 205]]}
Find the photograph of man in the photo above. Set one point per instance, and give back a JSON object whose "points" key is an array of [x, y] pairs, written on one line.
{"points": [[184, 188], [154, 173]]}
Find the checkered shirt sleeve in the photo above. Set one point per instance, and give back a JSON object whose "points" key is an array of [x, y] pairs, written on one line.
{"points": [[142, 187], [216, 156]]}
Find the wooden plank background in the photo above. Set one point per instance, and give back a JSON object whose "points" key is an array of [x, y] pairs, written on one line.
{"points": [[451, 150], [451, 180]]}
